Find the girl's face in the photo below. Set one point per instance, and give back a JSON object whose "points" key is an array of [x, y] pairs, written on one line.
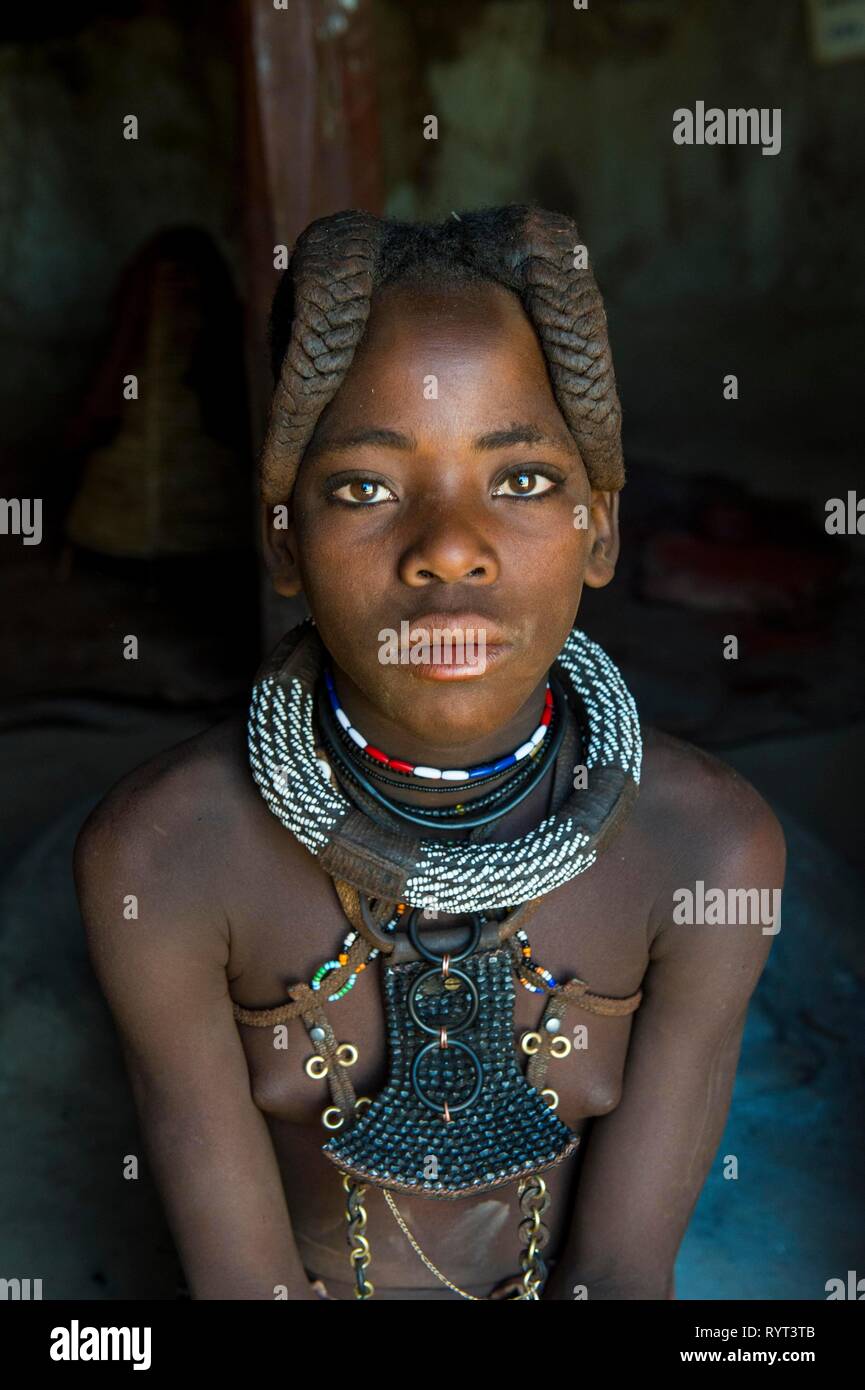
{"points": [[442, 483]]}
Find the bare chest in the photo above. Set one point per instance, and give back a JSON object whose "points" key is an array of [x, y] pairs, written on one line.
{"points": [[286, 921]]}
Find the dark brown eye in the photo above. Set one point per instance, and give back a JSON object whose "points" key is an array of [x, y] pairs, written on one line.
{"points": [[361, 491], [524, 480]]}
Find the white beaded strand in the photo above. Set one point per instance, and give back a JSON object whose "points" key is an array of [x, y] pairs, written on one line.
{"points": [[450, 877]]}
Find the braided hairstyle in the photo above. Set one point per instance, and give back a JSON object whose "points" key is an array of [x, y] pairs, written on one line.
{"points": [[323, 300]]}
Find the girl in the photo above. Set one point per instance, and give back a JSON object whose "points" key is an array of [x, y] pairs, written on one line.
{"points": [[408, 1009]]}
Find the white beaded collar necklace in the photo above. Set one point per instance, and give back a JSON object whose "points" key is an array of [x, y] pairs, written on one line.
{"points": [[449, 877]]}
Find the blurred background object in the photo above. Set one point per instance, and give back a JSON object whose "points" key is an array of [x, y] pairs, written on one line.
{"points": [[170, 477]]}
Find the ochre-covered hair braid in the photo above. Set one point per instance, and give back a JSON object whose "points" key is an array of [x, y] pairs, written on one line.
{"points": [[322, 304]]}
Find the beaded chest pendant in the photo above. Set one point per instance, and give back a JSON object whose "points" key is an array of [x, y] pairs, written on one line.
{"points": [[456, 1116]]}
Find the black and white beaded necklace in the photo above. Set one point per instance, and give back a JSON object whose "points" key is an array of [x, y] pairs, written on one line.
{"points": [[296, 784]]}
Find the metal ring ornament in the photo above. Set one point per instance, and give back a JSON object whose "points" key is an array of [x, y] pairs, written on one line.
{"points": [[548, 1091], [347, 1061], [421, 1094], [563, 1048], [530, 1043], [468, 949], [316, 1067], [428, 1028], [331, 1111]]}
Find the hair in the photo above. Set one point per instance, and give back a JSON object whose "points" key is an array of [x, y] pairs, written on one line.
{"points": [[323, 300]]}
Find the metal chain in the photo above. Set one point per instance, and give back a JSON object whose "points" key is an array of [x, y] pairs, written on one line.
{"points": [[534, 1200], [429, 1264], [360, 1252]]}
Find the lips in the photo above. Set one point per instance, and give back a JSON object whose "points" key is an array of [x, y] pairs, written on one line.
{"points": [[494, 635], [475, 643]]}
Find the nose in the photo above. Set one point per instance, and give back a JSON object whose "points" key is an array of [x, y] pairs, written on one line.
{"points": [[449, 549]]}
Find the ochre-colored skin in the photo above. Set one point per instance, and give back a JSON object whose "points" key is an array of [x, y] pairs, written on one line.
{"points": [[231, 907]]}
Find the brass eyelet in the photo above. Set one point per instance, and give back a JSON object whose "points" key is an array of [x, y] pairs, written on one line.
{"points": [[554, 1097], [560, 1047], [316, 1067], [328, 1120], [346, 1054], [530, 1042], [362, 1101]]}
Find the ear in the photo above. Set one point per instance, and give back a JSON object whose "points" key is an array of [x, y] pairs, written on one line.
{"points": [[279, 547], [603, 539]]}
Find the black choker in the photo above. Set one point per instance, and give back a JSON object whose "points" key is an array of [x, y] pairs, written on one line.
{"points": [[499, 802]]}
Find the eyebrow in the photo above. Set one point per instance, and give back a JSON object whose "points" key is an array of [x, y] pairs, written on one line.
{"points": [[393, 439], [516, 434]]}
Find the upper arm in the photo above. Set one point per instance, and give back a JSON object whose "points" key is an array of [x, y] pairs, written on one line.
{"points": [[163, 975], [646, 1162]]}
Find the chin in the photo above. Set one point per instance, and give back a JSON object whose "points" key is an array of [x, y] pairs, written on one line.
{"points": [[452, 712]]}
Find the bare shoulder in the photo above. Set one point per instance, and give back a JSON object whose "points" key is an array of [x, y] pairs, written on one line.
{"points": [[165, 827], [710, 827], [695, 797]]}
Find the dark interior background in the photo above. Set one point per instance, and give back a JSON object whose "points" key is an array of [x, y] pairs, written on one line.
{"points": [[712, 260]]}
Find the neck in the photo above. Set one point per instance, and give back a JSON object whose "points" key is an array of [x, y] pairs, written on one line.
{"points": [[398, 743]]}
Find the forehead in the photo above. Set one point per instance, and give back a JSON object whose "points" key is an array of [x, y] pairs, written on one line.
{"points": [[452, 359]]}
